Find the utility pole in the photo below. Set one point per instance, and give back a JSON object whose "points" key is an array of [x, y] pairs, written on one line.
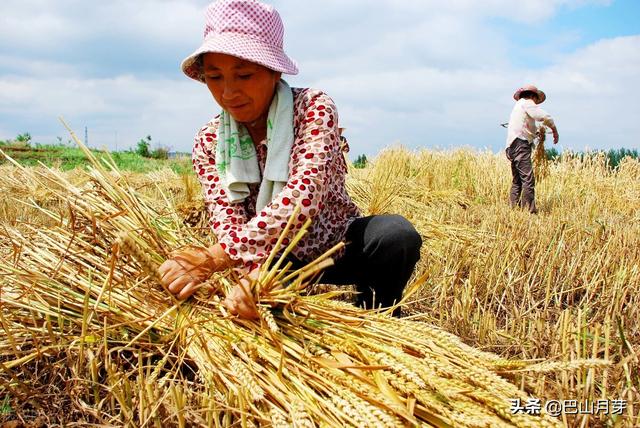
{"points": [[86, 137], [116, 141]]}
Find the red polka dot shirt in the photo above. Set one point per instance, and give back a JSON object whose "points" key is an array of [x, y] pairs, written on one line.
{"points": [[317, 171]]}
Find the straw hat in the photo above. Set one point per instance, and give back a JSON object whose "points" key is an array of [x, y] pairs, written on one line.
{"points": [[531, 88], [246, 29]]}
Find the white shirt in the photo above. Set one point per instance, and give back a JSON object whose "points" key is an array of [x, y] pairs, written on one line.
{"points": [[522, 123]]}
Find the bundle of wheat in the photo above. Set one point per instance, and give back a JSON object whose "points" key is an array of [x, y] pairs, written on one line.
{"points": [[83, 311], [540, 161]]}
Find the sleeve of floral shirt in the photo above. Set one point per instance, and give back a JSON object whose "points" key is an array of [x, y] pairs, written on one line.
{"points": [[250, 240]]}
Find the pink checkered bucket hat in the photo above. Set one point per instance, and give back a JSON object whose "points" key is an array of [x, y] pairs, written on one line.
{"points": [[246, 29]]}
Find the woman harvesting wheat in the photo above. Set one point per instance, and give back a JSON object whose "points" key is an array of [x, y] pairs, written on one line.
{"points": [[273, 148]]}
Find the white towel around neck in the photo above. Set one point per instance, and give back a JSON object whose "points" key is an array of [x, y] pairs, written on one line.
{"points": [[236, 159]]}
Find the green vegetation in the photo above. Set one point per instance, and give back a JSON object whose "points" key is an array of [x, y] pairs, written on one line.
{"points": [[552, 154], [24, 139], [143, 149], [360, 162], [67, 158]]}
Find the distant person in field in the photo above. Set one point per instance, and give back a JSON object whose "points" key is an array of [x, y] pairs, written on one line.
{"points": [[520, 136], [271, 149]]}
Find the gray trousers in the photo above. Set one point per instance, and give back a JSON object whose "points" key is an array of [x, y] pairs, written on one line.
{"points": [[523, 185]]}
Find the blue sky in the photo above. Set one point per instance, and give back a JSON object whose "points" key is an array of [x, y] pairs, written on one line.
{"points": [[422, 73], [573, 27]]}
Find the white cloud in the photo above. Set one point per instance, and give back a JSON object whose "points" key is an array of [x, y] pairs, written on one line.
{"points": [[591, 91], [422, 72], [439, 107], [45, 24], [170, 111], [19, 65], [34, 24], [527, 11], [407, 10]]}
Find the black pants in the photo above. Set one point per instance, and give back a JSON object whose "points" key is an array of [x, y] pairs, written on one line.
{"points": [[381, 252], [523, 185]]}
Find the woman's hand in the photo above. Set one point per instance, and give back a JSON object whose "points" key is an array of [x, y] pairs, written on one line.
{"points": [[240, 301], [185, 271]]}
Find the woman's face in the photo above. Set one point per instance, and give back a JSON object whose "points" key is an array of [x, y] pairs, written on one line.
{"points": [[242, 88]]}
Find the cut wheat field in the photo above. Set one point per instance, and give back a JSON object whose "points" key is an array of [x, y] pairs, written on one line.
{"points": [[560, 285], [503, 304]]}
